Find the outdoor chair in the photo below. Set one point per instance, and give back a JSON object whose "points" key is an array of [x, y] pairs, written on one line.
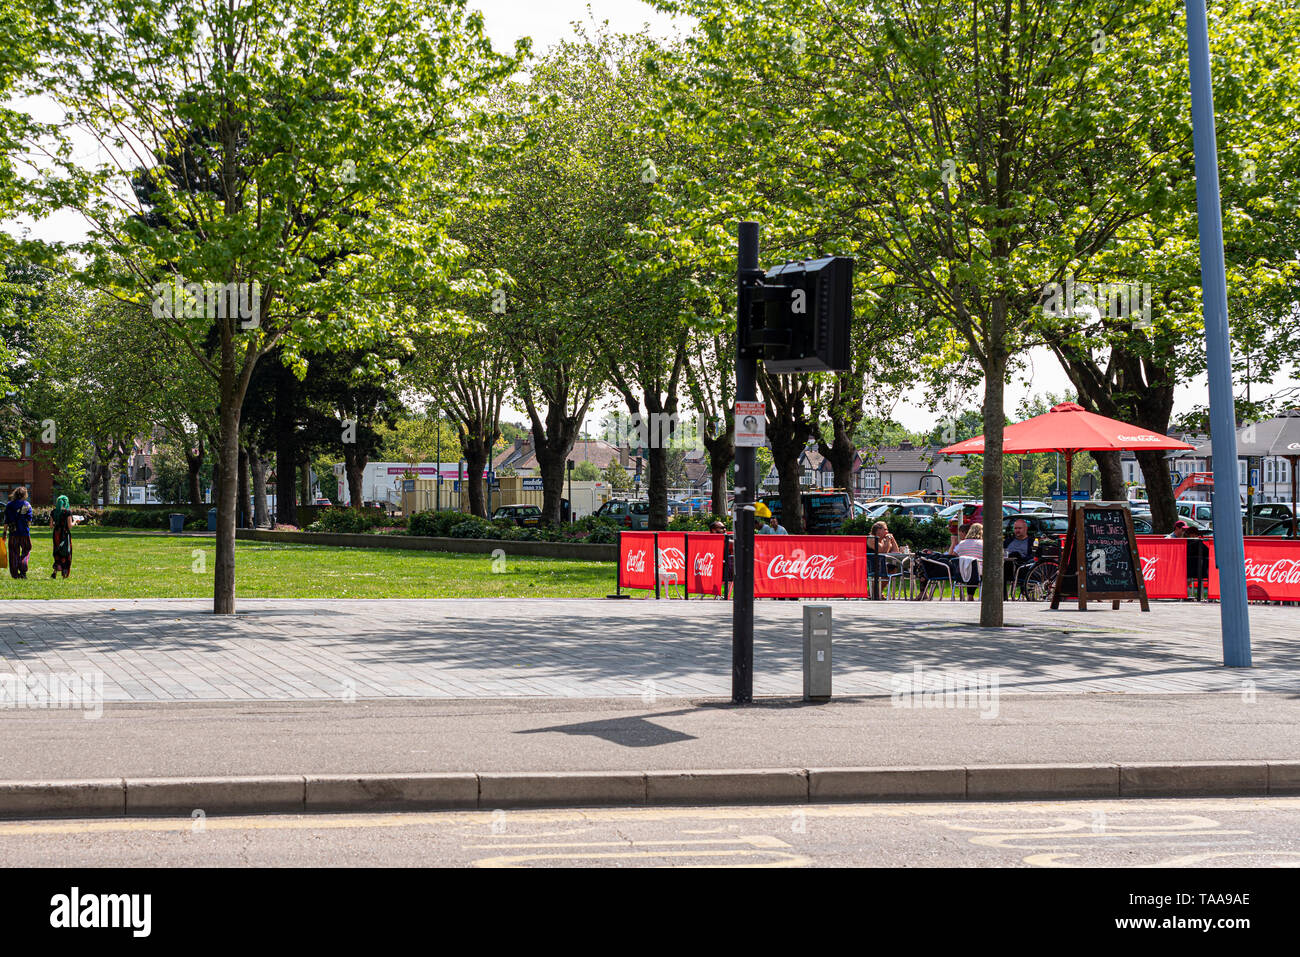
{"points": [[901, 578], [667, 581], [970, 574], [936, 573]]}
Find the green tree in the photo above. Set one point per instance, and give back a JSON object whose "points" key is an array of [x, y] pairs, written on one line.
{"points": [[617, 477], [284, 141], [586, 472]]}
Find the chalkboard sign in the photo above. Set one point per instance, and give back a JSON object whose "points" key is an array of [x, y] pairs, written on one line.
{"points": [[1100, 558]]}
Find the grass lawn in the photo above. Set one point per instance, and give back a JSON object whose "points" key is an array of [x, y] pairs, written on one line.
{"points": [[112, 563]]}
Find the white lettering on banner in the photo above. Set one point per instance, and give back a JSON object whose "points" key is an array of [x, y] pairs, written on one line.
{"points": [[1138, 438], [1149, 568], [819, 567], [635, 561], [1284, 571], [671, 560], [704, 564]]}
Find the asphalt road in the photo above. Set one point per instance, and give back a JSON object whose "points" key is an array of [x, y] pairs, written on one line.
{"points": [[1196, 833], [176, 740]]}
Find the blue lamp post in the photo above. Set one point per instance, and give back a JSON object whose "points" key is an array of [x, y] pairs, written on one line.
{"points": [[1229, 549]]}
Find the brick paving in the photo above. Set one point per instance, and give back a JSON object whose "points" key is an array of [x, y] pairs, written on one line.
{"points": [[274, 649]]}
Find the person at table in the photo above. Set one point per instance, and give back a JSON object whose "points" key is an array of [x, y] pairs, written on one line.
{"points": [[1019, 549], [885, 541], [774, 527], [971, 548], [1180, 530]]}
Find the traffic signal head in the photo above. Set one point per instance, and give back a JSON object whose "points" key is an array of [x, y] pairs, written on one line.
{"points": [[817, 314]]}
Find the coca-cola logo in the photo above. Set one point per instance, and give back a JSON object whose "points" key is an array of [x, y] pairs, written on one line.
{"points": [[1138, 438], [635, 561], [704, 564], [1284, 571], [671, 560], [1149, 568], [811, 567]]}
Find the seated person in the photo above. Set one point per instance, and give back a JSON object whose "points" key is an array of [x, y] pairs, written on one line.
{"points": [[885, 541], [1180, 530], [1019, 549], [970, 548]]}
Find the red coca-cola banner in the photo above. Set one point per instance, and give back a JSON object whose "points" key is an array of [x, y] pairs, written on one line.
{"points": [[810, 566], [672, 558], [704, 560], [1164, 565], [1272, 570], [636, 560]]}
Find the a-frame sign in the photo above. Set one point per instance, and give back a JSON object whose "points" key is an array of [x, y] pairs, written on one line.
{"points": [[1100, 558]]}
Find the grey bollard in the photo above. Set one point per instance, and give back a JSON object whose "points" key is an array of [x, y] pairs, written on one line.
{"points": [[816, 652]]}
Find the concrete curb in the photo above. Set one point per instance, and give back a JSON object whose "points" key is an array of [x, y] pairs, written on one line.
{"points": [[118, 797]]}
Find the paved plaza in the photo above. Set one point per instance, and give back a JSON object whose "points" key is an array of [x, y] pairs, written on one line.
{"points": [[278, 650]]}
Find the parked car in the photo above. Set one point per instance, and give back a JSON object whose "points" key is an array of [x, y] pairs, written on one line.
{"points": [[913, 509], [1272, 511], [1029, 506], [632, 515], [822, 511], [1040, 524], [973, 512], [525, 516]]}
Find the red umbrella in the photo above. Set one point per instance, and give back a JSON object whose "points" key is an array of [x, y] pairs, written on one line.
{"points": [[1067, 429]]}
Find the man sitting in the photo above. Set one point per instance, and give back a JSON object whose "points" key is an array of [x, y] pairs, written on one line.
{"points": [[1020, 549]]}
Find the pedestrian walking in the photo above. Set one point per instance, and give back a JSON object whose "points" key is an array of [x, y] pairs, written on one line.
{"points": [[61, 524], [18, 521]]}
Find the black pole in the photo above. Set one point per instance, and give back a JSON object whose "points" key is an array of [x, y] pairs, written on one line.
{"points": [[742, 601]]}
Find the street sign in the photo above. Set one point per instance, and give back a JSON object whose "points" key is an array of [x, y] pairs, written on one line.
{"points": [[1174, 477], [1254, 478], [751, 425]]}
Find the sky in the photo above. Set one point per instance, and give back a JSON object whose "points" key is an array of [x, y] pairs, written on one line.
{"points": [[546, 22]]}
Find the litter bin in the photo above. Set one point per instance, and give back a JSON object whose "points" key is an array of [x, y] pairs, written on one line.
{"points": [[212, 520], [178, 522]]}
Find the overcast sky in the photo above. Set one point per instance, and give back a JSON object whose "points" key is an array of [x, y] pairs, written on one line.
{"points": [[546, 21]]}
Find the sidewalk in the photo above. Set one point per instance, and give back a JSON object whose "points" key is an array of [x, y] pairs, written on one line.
{"points": [[296, 705], [176, 650]]}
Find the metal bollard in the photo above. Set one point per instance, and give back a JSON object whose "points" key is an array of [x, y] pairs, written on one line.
{"points": [[816, 652]]}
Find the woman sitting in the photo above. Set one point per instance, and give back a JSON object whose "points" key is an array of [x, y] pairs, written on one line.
{"points": [[969, 551]]}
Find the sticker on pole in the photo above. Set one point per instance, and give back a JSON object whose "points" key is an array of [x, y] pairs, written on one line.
{"points": [[751, 425]]}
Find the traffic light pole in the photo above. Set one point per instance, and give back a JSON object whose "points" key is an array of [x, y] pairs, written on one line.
{"points": [[742, 600]]}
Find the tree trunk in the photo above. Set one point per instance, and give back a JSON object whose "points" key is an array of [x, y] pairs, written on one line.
{"points": [[103, 478], [840, 453], [194, 465], [475, 451], [286, 451], [1112, 476], [261, 515], [241, 507], [305, 488], [223, 590], [994, 422], [1160, 491], [354, 464], [552, 450], [788, 474], [718, 468]]}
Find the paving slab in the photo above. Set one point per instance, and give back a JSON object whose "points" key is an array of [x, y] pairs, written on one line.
{"points": [[273, 649]]}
